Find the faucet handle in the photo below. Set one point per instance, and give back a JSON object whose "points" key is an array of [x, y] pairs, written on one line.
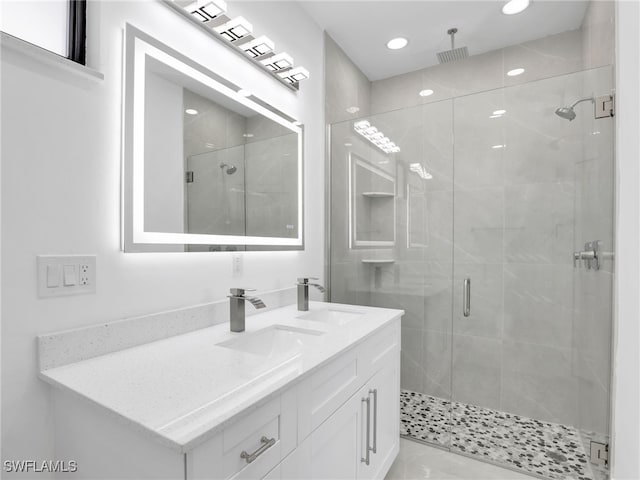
{"points": [[256, 302], [319, 287], [239, 292]]}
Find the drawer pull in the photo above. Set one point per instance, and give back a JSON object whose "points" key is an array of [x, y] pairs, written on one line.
{"points": [[367, 401], [375, 420], [266, 443]]}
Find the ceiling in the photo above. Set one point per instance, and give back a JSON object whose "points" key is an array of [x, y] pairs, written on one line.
{"points": [[362, 28]]}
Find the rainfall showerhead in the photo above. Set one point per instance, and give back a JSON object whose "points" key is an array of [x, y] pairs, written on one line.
{"points": [[568, 113], [455, 53], [231, 169]]}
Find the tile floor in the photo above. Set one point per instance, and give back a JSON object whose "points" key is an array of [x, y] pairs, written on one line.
{"points": [[543, 449], [416, 461]]}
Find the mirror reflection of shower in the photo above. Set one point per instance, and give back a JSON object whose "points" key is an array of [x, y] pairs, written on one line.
{"points": [[568, 113]]}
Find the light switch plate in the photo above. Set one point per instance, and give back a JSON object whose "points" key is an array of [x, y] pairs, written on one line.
{"points": [[77, 269]]}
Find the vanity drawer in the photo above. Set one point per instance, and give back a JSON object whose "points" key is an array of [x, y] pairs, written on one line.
{"points": [[380, 349], [251, 447], [326, 390]]}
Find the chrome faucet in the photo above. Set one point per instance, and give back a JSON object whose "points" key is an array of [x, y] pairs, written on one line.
{"points": [[236, 303], [303, 292]]}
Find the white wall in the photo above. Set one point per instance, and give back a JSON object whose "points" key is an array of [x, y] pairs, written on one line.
{"points": [[61, 141], [626, 381]]}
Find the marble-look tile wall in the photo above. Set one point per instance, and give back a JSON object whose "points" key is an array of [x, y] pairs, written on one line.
{"points": [[537, 342], [593, 290], [347, 89]]}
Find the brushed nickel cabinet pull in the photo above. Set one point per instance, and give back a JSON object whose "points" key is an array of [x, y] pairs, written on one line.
{"points": [[375, 419], [366, 459], [266, 443]]}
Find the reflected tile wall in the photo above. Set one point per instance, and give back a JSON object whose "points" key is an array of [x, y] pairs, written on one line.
{"points": [[593, 295], [520, 212], [347, 89], [542, 58], [537, 343], [598, 34]]}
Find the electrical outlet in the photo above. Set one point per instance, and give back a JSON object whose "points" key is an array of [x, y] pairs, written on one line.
{"points": [[66, 275], [84, 270]]}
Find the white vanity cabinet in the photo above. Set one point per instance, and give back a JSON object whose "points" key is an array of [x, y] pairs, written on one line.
{"points": [[341, 420], [361, 438]]}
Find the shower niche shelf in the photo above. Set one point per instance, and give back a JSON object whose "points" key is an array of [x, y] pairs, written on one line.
{"points": [[378, 194], [378, 262], [372, 192]]}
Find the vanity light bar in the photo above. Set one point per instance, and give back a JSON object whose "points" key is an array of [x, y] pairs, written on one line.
{"points": [[205, 10], [279, 61], [238, 30], [371, 133], [419, 169], [258, 47], [295, 74], [235, 29]]}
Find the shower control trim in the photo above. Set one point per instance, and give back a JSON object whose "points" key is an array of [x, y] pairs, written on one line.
{"points": [[592, 256]]}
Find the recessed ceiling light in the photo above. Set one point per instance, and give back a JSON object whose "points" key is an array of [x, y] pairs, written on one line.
{"points": [[514, 6], [499, 112], [353, 109], [498, 146], [244, 93], [247, 135], [515, 72], [397, 43], [425, 93], [191, 111]]}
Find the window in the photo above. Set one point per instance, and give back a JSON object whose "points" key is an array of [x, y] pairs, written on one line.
{"points": [[56, 25]]}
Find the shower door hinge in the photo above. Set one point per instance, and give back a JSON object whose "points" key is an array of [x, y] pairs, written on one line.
{"points": [[599, 453], [188, 176], [604, 106]]}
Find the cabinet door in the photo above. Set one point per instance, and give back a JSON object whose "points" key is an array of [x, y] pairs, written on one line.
{"points": [[384, 434], [332, 451]]}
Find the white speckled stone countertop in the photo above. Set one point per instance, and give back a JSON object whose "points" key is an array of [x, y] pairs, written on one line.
{"points": [[183, 389]]}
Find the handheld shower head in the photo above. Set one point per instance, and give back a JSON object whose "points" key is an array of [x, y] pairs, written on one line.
{"points": [[568, 113]]}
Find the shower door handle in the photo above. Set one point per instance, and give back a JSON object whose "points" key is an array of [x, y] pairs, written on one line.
{"points": [[466, 297]]}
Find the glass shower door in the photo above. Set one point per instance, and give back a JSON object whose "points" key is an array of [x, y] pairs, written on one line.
{"points": [[391, 245], [531, 361]]}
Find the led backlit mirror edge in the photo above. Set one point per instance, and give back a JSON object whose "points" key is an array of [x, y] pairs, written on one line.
{"points": [[137, 45]]}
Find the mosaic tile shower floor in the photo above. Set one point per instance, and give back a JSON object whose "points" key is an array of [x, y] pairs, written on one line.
{"points": [[544, 449]]}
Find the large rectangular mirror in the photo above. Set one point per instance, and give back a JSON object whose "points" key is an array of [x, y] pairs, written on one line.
{"points": [[206, 168]]}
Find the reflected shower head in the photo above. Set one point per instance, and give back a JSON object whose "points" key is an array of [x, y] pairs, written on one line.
{"points": [[568, 113], [231, 169]]}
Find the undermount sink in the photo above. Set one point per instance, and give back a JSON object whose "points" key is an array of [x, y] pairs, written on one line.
{"points": [[277, 340], [331, 316]]}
